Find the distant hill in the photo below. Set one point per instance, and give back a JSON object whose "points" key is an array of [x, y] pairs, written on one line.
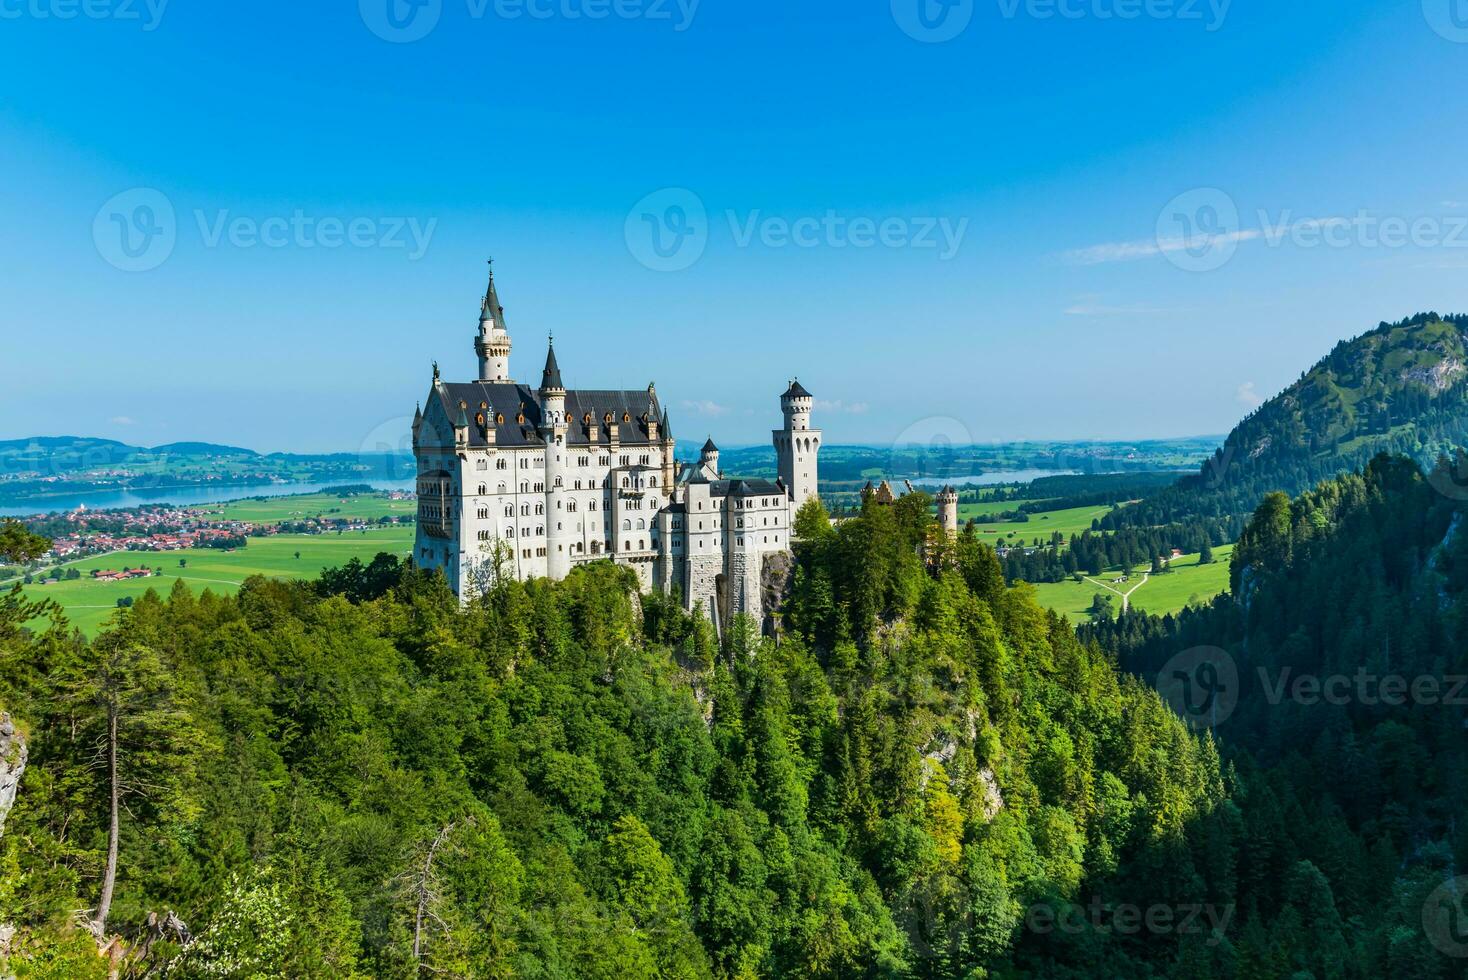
{"points": [[201, 449], [1400, 388]]}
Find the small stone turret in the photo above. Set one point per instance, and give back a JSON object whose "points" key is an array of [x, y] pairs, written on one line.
{"points": [[948, 510], [709, 456]]}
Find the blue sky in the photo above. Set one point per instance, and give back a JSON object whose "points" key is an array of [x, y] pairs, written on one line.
{"points": [[1023, 231]]}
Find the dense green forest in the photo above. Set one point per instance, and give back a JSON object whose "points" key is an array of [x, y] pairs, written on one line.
{"points": [[1344, 709], [927, 775], [1401, 388]]}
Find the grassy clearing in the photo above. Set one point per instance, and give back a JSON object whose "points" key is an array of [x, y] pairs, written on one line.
{"points": [[1162, 594], [89, 603]]}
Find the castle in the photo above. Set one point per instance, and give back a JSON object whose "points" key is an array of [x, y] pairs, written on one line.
{"points": [[531, 482]]}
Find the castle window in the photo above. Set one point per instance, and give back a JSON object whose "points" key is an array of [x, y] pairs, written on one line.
{"points": [[652, 481], [626, 525], [483, 489], [641, 524], [510, 511], [499, 464], [481, 464], [509, 532], [483, 535]]}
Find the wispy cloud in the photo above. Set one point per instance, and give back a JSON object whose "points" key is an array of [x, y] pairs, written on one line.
{"points": [[706, 407], [122, 420], [1248, 397], [1150, 248], [848, 408]]}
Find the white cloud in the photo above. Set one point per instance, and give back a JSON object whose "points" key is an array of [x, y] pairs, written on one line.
{"points": [[841, 407], [122, 420], [1248, 397], [706, 407], [1149, 248]]}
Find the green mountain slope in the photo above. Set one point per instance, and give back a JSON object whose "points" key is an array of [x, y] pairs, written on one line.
{"points": [[1339, 674], [1401, 388]]}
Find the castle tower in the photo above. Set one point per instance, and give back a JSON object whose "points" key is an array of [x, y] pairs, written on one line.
{"points": [[665, 429], [560, 532], [948, 511], [709, 457], [797, 445], [493, 343]]}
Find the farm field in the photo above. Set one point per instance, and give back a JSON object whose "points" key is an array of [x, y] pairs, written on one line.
{"points": [[88, 603], [986, 507], [274, 510], [1162, 594], [1072, 520]]}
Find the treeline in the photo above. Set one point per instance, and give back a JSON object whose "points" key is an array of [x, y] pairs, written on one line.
{"points": [[1092, 552], [1065, 492]]}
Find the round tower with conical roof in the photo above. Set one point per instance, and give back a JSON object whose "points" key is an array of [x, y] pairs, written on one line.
{"points": [[797, 445], [492, 345]]}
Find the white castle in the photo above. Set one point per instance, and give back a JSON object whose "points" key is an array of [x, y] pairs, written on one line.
{"points": [[531, 482]]}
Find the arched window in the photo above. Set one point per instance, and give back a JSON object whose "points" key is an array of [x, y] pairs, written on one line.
{"points": [[652, 482], [509, 532], [641, 524], [500, 488], [626, 525], [483, 489]]}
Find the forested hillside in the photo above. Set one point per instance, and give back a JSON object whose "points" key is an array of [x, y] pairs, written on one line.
{"points": [[928, 776], [1401, 388], [1346, 634], [567, 780]]}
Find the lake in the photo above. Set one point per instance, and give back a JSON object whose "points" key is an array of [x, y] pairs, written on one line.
{"points": [[182, 496]]}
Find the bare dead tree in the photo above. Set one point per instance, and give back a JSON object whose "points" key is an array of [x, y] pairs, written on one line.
{"points": [[423, 885]]}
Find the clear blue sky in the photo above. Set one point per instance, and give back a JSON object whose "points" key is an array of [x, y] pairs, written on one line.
{"points": [[1054, 143]]}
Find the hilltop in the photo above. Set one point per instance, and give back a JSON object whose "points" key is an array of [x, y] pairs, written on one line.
{"points": [[1400, 388]]}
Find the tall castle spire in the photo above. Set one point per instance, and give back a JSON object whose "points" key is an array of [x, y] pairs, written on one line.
{"points": [[492, 345]]}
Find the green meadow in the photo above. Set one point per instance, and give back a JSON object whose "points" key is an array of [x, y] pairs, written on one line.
{"points": [[1072, 520], [89, 603], [275, 510], [1162, 594]]}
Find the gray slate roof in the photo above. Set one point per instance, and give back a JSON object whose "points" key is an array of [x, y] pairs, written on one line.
{"points": [[511, 400]]}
